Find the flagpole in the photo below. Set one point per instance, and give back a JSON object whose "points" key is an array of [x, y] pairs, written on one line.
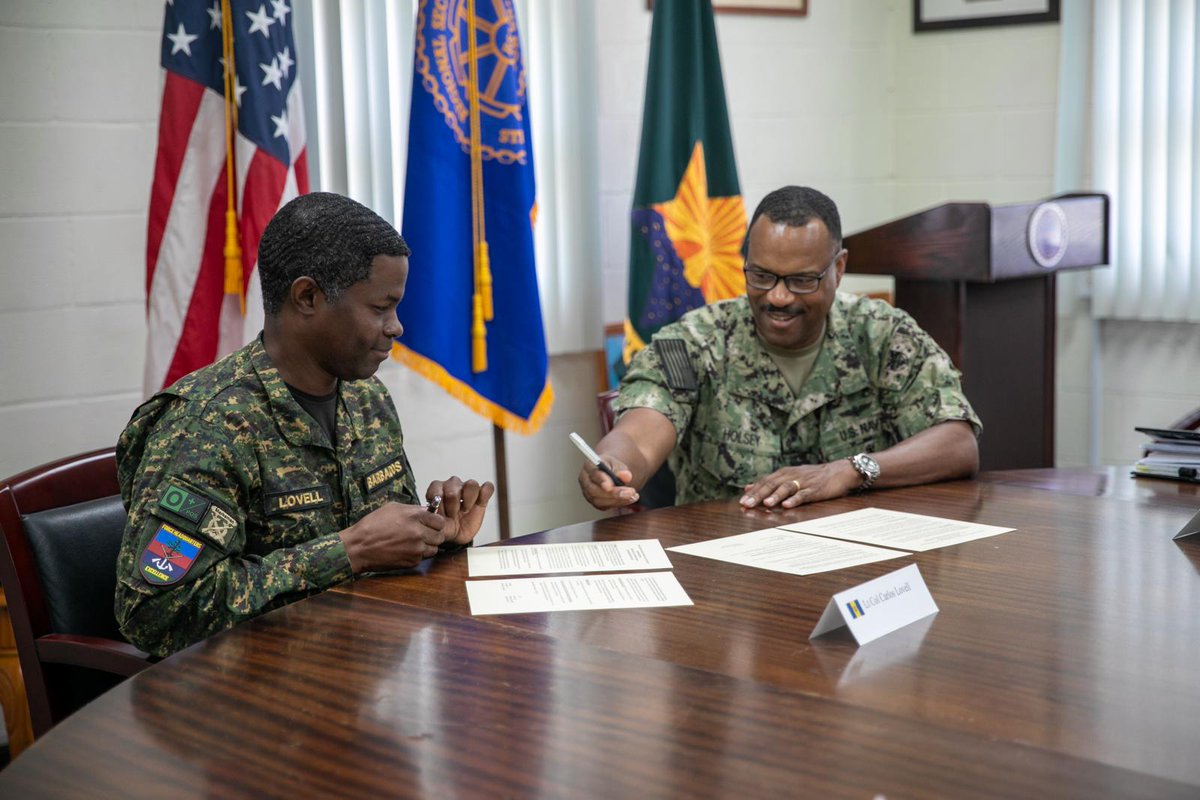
{"points": [[501, 480]]}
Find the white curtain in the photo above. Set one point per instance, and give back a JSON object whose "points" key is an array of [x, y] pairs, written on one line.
{"points": [[357, 57], [1145, 143]]}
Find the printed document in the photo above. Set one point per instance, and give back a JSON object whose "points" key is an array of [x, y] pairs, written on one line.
{"points": [[576, 592], [539, 559], [897, 529], [787, 551]]}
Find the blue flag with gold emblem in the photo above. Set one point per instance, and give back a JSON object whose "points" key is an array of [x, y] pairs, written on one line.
{"points": [[471, 315]]}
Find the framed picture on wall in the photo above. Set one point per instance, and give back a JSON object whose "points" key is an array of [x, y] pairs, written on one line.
{"points": [[938, 15], [794, 8]]}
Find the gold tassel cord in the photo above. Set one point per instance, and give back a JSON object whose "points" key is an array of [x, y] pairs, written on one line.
{"points": [[485, 279], [477, 194], [482, 300], [233, 248]]}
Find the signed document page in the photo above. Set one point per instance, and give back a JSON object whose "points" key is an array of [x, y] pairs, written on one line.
{"points": [[897, 529], [541, 559], [576, 592], [787, 551]]}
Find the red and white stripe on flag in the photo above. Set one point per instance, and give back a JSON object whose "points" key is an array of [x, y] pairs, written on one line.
{"points": [[191, 321]]}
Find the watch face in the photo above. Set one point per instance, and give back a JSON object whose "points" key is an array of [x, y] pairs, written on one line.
{"points": [[868, 466]]}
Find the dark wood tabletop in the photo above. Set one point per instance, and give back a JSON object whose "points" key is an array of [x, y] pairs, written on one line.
{"points": [[1062, 663]]}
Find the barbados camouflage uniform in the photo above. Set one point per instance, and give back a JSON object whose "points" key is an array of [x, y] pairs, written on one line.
{"points": [[877, 380], [236, 496]]}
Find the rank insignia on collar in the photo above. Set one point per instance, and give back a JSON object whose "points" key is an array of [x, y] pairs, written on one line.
{"points": [[169, 556], [218, 526], [188, 505]]}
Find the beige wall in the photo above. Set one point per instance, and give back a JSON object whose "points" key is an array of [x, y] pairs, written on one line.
{"points": [[846, 99]]}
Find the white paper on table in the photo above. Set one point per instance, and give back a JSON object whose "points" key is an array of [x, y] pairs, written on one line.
{"points": [[898, 529], [576, 592], [787, 551], [527, 559]]}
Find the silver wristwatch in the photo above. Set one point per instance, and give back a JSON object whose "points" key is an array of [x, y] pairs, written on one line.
{"points": [[868, 468]]}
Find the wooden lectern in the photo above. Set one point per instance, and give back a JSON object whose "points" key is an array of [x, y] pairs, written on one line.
{"points": [[980, 279]]}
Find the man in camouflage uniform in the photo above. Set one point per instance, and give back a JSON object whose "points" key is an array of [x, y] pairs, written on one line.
{"points": [[280, 470], [793, 393]]}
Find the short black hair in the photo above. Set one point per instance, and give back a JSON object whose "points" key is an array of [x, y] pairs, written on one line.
{"points": [[327, 237], [796, 206]]}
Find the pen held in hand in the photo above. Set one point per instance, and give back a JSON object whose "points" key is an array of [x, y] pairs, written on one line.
{"points": [[434, 503], [594, 459]]}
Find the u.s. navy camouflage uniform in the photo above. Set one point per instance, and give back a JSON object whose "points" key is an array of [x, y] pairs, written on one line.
{"points": [[878, 380], [236, 496]]}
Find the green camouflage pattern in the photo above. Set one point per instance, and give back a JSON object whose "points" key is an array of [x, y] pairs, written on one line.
{"points": [[279, 492], [877, 380]]}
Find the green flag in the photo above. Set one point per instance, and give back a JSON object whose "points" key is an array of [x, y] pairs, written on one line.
{"points": [[688, 220]]}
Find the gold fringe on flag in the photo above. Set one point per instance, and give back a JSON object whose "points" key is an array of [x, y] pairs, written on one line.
{"points": [[233, 248], [466, 394]]}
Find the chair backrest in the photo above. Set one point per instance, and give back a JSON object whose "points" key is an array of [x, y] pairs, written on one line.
{"points": [[76, 549], [604, 405], [1188, 422], [62, 525]]}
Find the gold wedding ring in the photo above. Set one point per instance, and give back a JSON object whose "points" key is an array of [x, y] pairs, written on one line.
{"points": [[796, 483]]}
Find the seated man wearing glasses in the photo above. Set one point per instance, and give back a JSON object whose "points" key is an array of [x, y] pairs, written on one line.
{"points": [[793, 393]]}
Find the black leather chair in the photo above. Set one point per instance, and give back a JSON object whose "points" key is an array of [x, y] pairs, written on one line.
{"points": [[62, 525]]}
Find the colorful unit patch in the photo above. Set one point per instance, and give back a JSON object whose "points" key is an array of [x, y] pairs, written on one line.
{"points": [[169, 556], [186, 504]]}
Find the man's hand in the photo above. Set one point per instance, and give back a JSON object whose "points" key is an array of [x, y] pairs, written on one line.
{"points": [[793, 486], [945, 451], [393, 537], [633, 450], [599, 489], [463, 506]]}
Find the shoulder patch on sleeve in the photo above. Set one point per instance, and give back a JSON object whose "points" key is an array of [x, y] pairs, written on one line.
{"points": [[183, 503], [676, 364], [169, 556], [218, 526]]}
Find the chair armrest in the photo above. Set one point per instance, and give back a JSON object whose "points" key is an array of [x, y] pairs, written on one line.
{"points": [[94, 652]]}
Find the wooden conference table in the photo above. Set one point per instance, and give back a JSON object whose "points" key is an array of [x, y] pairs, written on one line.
{"points": [[1064, 662]]}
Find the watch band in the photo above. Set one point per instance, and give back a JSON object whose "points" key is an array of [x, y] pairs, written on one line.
{"points": [[867, 467]]}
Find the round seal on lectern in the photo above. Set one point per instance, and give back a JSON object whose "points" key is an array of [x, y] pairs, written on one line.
{"points": [[1048, 234]]}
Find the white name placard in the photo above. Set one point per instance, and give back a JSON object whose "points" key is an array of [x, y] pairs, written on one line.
{"points": [[1190, 529], [879, 606]]}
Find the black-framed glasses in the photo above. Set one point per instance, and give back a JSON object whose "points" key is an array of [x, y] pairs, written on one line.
{"points": [[763, 281]]}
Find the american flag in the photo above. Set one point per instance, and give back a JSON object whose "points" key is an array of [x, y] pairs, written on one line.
{"points": [[191, 320]]}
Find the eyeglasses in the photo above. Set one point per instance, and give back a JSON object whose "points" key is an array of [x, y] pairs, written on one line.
{"points": [[763, 281]]}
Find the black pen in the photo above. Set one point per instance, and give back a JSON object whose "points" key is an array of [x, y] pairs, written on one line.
{"points": [[434, 504], [594, 459]]}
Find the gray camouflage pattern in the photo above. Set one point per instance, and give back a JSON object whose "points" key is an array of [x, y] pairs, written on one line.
{"points": [[232, 434], [878, 380]]}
